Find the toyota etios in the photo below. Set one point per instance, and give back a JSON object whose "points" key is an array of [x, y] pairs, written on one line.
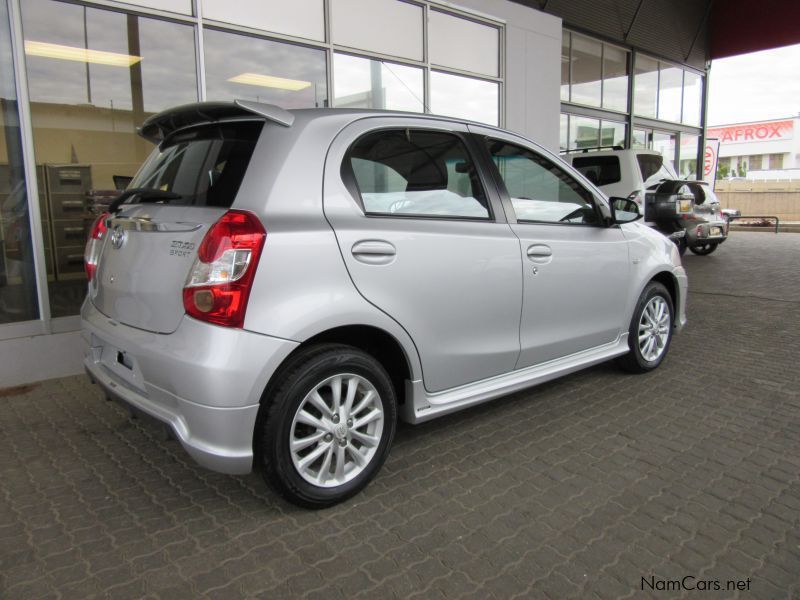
{"points": [[279, 287]]}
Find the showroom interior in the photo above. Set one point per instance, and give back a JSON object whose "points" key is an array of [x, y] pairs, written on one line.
{"points": [[78, 77]]}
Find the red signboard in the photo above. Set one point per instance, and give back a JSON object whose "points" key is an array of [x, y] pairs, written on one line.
{"points": [[753, 132]]}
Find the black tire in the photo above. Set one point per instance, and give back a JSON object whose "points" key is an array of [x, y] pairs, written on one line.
{"points": [[274, 428], [634, 361], [704, 249]]}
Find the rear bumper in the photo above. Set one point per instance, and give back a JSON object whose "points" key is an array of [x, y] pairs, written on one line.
{"points": [[701, 233], [204, 382]]}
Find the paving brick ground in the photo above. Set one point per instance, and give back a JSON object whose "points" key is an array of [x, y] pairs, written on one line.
{"points": [[578, 488]]}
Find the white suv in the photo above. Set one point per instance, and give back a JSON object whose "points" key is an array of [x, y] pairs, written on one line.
{"points": [[623, 173]]}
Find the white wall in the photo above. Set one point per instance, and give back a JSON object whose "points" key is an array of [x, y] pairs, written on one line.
{"points": [[30, 359], [533, 68]]}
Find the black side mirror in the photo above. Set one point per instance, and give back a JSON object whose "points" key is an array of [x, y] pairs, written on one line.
{"points": [[624, 210]]}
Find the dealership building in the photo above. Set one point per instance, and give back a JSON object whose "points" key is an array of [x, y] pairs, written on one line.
{"points": [[78, 77]]}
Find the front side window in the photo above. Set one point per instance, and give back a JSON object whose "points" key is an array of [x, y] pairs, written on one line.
{"points": [[406, 172], [540, 190]]}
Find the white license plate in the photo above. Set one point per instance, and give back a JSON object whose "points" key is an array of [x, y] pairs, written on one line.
{"points": [[716, 231]]}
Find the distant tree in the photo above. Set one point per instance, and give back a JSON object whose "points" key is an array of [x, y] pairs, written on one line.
{"points": [[723, 171], [743, 170]]}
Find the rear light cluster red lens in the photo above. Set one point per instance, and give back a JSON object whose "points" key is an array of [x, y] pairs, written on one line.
{"points": [[94, 245], [219, 283]]}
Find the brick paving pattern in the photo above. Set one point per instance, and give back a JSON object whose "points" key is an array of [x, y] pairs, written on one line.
{"points": [[575, 489]]}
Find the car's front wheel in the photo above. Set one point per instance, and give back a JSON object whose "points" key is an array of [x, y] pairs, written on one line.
{"points": [[328, 426], [650, 331], [704, 249]]}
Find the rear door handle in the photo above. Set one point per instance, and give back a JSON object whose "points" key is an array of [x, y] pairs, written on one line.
{"points": [[374, 252], [540, 253]]}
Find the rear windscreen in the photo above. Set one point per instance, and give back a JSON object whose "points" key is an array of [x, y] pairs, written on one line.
{"points": [[600, 170], [203, 166]]}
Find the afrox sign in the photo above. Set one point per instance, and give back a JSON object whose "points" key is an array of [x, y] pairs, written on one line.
{"points": [[753, 132]]}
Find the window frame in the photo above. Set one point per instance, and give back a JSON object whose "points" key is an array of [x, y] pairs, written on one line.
{"points": [[351, 184], [505, 196]]}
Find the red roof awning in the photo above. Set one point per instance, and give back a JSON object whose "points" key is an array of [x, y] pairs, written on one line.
{"points": [[744, 26]]}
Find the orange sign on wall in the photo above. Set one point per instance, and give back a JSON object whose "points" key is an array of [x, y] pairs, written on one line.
{"points": [[753, 132]]}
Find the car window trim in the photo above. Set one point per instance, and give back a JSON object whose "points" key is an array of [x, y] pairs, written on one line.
{"points": [[351, 184], [506, 196]]}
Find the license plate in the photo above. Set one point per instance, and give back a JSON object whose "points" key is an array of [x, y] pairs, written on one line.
{"points": [[716, 231]]}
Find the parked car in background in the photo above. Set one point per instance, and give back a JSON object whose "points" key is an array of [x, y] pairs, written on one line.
{"points": [[729, 213], [706, 228], [644, 177], [279, 287]]}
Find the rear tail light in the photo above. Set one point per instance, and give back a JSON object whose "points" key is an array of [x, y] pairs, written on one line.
{"points": [[219, 283], [94, 244]]}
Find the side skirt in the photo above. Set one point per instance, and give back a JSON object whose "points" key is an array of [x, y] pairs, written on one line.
{"points": [[421, 406]]}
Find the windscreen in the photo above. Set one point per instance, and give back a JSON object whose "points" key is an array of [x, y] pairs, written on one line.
{"points": [[203, 166]]}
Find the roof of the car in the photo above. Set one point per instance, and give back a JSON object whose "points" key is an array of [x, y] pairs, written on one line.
{"points": [[581, 154], [162, 124]]}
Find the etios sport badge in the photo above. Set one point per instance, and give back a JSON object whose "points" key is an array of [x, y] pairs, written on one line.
{"points": [[118, 237]]}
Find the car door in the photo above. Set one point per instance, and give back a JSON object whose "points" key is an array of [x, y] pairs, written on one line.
{"points": [[425, 242], [575, 268]]}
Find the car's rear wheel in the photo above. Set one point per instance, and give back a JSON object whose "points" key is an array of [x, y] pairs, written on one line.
{"points": [[704, 249], [328, 426], [650, 331]]}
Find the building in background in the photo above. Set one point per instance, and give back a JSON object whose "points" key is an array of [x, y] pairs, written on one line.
{"points": [[759, 150], [78, 76]]}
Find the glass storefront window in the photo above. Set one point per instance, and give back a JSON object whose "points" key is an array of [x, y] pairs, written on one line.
{"points": [[463, 44], [692, 98], [584, 132], [639, 138], [612, 133], [465, 98], [645, 90], [18, 298], [670, 88], [386, 26], [92, 80], [586, 70], [563, 134], [688, 156], [250, 68], [301, 18], [364, 83], [664, 144], [565, 60], [615, 79]]}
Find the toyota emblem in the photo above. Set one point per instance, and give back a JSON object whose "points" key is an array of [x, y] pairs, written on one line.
{"points": [[118, 237]]}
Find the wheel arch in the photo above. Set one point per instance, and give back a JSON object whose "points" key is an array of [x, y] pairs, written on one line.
{"points": [[383, 346], [668, 280]]}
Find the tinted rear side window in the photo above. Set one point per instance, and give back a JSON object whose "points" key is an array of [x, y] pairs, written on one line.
{"points": [[204, 165], [417, 173], [600, 170]]}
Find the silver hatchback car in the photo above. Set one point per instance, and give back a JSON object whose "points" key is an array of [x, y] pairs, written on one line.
{"points": [[280, 287]]}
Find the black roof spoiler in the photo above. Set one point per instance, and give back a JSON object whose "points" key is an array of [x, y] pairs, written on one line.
{"points": [[160, 125]]}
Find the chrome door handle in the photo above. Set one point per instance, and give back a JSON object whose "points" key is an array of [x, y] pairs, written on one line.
{"points": [[539, 250], [373, 252]]}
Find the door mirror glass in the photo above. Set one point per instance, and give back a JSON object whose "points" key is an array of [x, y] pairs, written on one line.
{"points": [[625, 210]]}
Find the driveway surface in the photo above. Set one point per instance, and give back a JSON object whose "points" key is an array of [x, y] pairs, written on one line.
{"points": [[599, 485]]}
